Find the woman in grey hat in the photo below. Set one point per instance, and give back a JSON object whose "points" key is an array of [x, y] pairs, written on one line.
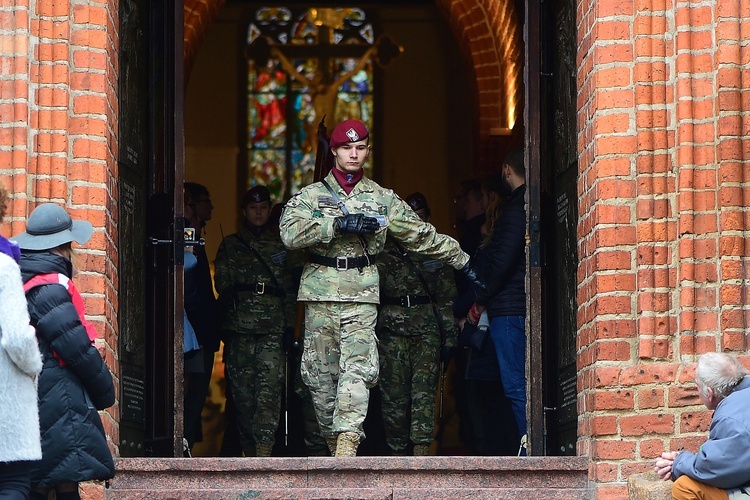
{"points": [[20, 364], [74, 382]]}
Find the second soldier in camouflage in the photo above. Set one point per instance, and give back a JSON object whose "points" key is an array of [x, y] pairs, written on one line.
{"points": [[257, 300], [415, 321]]}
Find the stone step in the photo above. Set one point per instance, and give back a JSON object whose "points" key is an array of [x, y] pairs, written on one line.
{"points": [[356, 478]]}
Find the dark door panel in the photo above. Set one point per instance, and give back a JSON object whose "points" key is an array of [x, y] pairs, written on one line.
{"points": [[150, 267]]}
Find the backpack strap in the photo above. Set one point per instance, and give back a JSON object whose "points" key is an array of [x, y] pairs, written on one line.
{"points": [[46, 279], [75, 297]]}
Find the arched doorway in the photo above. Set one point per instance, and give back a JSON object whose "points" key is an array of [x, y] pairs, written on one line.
{"points": [[477, 35]]}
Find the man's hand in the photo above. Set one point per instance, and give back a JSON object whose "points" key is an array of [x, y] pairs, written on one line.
{"points": [[474, 314], [356, 224], [663, 465]]}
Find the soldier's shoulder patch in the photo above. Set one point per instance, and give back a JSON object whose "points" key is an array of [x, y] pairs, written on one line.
{"points": [[382, 210], [317, 214], [432, 265], [278, 258]]}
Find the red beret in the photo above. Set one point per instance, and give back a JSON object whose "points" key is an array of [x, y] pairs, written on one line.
{"points": [[348, 131]]}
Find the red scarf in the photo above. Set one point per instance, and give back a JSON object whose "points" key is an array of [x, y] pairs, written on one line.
{"points": [[347, 181]]}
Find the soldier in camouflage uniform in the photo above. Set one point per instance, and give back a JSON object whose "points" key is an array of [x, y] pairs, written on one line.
{"points": [[257, 297], [415, 324], [344, 229]]}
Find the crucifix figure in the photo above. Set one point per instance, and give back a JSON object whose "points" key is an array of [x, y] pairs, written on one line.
{"points": [[321, 85]]}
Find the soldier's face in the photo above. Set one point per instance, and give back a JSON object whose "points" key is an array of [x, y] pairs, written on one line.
{"points": [[257, 214], [350, 157]]}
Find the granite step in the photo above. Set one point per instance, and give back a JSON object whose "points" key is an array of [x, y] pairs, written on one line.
{"points": [[366, 478]]}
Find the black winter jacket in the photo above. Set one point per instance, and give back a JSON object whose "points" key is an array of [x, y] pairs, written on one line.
{"points": [[74, 446], [503, 269]]}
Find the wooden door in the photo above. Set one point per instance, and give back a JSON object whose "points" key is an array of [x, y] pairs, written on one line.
{"points": [[150, 227]]}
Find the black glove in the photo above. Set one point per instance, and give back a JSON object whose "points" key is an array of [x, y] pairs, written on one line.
{"points": [[446, 354], [471, 275], [356, 224]]}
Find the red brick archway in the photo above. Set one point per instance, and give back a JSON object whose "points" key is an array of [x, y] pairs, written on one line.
{"points": [[489, 34]]}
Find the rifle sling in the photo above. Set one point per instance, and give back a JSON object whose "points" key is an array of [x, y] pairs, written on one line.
{"points": [[260, 259], [342, 207]]}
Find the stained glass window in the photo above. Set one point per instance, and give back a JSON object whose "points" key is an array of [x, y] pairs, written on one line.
{"points": [[303, 64]]}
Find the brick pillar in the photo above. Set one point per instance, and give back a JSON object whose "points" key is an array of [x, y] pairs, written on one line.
{"points": [[58, 138], [663, 185], [14, 110]]}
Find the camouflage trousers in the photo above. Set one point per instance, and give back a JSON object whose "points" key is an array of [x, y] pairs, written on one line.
{"points": [[314, 442], [255, 373], [409, 367], [340, 363]]}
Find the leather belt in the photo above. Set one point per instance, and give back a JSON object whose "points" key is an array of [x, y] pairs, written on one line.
{"points": [[406, 300], [343, 263], [261, 289]]}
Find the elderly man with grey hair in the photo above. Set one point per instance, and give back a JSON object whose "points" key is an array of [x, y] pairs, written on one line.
{"points": [[721, 469]]}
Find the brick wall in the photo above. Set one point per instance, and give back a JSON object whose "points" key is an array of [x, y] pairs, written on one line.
{"points": [[199, 15], [663, 186], [489, 34], [663, 189], [58, 137]]}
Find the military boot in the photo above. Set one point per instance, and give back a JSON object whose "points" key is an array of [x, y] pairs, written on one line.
{"points": [[263, 449], [421, 450], [346, 444], [332, 445]]}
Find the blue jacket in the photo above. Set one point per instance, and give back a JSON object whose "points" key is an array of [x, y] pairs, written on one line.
{"points": [[724, 460]]}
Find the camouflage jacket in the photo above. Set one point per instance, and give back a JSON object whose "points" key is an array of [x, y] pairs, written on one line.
{"points": [[308, 222], [252, 301], [399, 281]]}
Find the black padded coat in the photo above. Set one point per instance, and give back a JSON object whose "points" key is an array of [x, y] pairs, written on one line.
{"points": [[504, 271], [74, 446]]}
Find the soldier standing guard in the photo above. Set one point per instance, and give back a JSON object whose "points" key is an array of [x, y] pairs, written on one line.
{"points": [[415, 327], [343, 222], [257, 301]]}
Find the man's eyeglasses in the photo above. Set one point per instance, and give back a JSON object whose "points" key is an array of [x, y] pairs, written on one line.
{"points": [[205, 200]]}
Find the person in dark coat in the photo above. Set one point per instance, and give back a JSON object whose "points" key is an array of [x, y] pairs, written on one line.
{"points": [[75, 382], [487, 406], [504, 297], [201, 308]]}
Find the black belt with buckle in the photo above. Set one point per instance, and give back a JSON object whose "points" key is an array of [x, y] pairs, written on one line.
{"points": [[261, 289], [406, 300], [343, 263]]}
